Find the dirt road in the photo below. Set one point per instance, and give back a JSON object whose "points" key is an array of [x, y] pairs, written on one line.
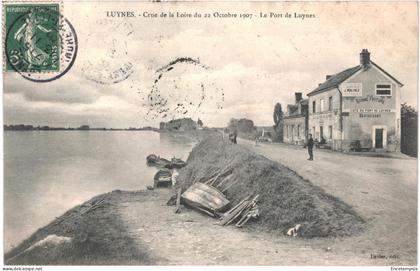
{"points": [[382, 190], [190, 238]]}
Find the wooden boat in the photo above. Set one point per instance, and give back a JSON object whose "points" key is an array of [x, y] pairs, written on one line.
{"points": [[177, 163], [205, 198], [163, 178], [154, 160]]}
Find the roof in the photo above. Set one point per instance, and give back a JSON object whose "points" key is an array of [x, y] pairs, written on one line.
{"points": [[335, 80], [294, 116], [340, 77], [291, 108], [304, 101], [382, 70]]}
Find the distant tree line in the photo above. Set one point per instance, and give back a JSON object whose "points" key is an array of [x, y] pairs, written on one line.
{"points": [[23, 127], [184, 124], [244, 127]]}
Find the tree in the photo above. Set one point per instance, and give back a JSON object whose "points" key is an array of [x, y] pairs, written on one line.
{"points": [[278, 123], [409, 117], [244, 127]]}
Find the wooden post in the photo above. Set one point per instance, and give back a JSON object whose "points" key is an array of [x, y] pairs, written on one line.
{"points": [[178, 201]]}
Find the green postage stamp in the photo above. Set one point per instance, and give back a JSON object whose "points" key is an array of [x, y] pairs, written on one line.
{"points": [[32, 42]]}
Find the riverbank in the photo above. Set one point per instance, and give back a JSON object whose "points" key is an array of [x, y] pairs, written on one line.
{"points": [[92, 233], [138, 228], [192, 135]]}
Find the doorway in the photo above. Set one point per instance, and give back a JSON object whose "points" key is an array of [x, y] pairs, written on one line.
{"points": [[379, 138]]}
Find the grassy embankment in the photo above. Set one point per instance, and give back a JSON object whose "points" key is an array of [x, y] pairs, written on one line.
{"points": [[98, 236], [286, 199]]}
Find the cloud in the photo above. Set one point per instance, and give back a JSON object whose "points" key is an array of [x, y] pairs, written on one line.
{"points": [[254, 64]]}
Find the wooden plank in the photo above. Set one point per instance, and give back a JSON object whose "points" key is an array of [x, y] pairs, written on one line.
{"points": [[224, 180], [94, 206], [209, 181], [227, 219], [205, 211], [247, 205], [243, 221], [225, 171], [209, 178], [238, 214], [236, 206], [229, 186], [178, 201]]}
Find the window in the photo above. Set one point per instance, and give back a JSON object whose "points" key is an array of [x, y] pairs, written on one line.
{"points": [[321, 132], [314, 130], [313, 107], [383, 89], [287, 130], [330, 131], [330, 104], [322, 105], [298, 131]]}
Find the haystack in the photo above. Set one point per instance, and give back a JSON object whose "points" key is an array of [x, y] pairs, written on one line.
{"points": [[285, 198]]}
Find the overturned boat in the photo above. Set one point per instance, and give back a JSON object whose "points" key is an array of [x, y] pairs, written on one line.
{"points": [[205, 198]]}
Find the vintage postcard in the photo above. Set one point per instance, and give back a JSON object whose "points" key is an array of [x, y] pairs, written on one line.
{"points": [[210, 133]]}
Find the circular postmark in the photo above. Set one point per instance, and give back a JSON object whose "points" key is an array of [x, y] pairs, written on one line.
{"points": [[111, 62], [184, 87], [40, 44]]}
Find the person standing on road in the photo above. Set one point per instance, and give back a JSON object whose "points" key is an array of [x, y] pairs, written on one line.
{"points": [[310, 146], [232, 136]]}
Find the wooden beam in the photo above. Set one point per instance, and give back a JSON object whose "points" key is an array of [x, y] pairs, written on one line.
{"points": [[178, 201]]}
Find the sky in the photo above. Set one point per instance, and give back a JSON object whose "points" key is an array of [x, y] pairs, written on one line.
{"points": [[236, 68]]}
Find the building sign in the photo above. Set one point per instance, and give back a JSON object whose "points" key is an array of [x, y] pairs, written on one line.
{"points": [[370, 98], [352, 89], [372, 110], [367, 112], [370, 115]]}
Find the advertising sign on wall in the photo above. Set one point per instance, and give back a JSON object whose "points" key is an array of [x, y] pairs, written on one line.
{"points": [[352, 89]]}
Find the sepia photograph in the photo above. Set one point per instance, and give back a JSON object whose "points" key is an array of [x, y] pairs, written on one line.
{"points": [[210, 133]]}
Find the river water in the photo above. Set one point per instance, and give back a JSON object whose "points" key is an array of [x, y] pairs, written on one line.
{"points": [[48, 172]]}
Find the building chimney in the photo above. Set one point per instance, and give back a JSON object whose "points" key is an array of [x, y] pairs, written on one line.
{"points": [[364, 58], [328, 77], [298, 96]]}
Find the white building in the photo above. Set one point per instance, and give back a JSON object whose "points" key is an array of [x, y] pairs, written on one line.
{"points": [[358, 108]]}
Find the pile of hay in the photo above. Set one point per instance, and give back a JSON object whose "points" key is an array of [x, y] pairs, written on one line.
{"points": [[286, 199]]}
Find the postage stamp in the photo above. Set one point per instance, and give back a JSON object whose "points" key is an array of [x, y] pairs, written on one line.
{"points": [[32, 38]]}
